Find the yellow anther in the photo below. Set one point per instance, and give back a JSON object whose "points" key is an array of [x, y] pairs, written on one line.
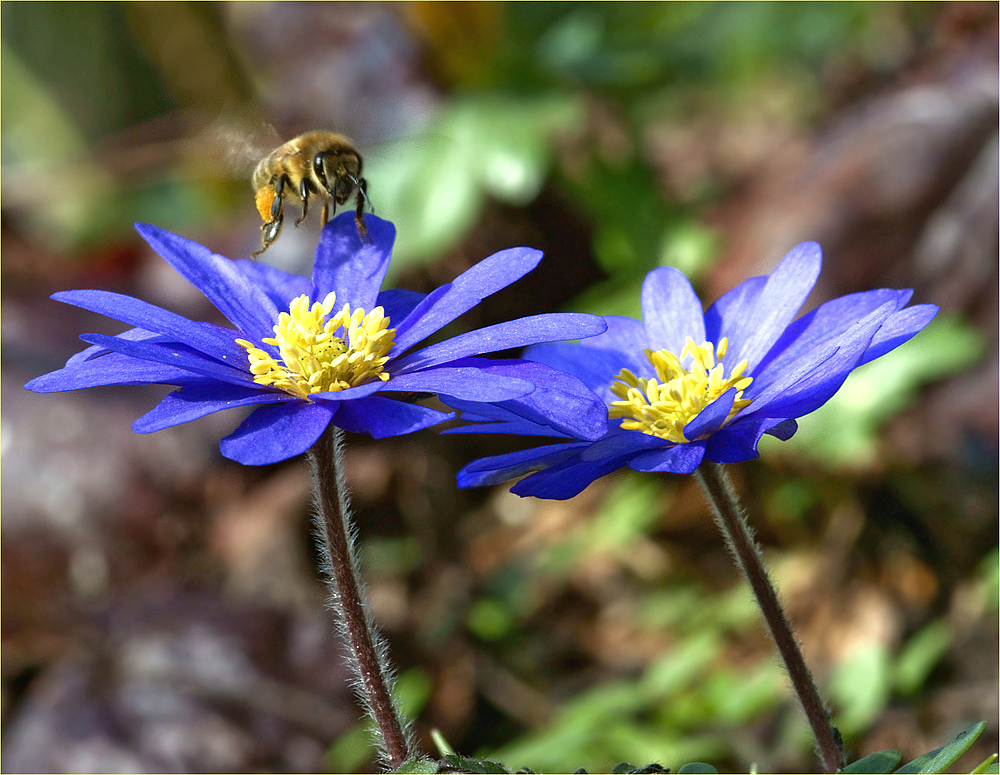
{"points": [[313, 357], [664, 405]]}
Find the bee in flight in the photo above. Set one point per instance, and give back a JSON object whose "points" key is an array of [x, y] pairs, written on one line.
{"points": [[318, 163]]}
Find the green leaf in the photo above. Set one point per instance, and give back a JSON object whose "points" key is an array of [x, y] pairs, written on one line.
{"points": [[697, 768], [860, 687], [690, 247], [443, 746], [988, 573], [412, 690], [680, 666], [489, 619], [433, 185], [988, 765], [352, 749], [737, 697], [624, 768], [922, 652], [883, 761], [423, 186], [940, 759], [471, 764], [418, 767]]}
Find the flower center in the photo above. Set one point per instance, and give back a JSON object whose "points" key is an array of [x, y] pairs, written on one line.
{"points": [[664, 405], [314, 358]]}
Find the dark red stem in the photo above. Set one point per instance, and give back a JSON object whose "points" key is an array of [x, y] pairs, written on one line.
{"points": [[358, 630], [740, 540]]}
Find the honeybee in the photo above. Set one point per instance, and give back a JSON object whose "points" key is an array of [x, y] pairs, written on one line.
{"points": [[318, 163]]}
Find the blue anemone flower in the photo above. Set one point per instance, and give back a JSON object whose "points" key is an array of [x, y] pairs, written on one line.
{"points": [[330, 349], [684, 385]]}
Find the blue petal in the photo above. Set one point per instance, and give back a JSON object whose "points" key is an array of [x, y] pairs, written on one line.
{"points": [[671, 310], [731, 305], [752, 328], [194, 401], [502, 468], [211, 340], [132, 334], [232, 292], [802, 386], [469, 383], [681, 459], [350, 394], [280, 286], [590, 462], [172, 354], [816, 329], [463, 293], [504, 336], [784, 430], [619, 444], [738, 441], [571, 477], [512, 425], [899, 328], [96, 350], [399, 303], [109, 369], [403, 340], [711, 418], [559, 401], [353, 269], [625, 339], [595, 368], [382, 417], [275, 433]]}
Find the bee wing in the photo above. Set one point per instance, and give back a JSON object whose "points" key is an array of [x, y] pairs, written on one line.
{"points": [[237, 145]]}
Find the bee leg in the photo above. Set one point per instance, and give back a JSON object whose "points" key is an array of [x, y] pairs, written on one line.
{"points": [[279, 189], [359, 213], [305, 188], [362, 185], [268, 234], [324, 216], [269, 230]]}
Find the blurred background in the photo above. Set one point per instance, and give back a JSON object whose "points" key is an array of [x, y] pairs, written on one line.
{"points": [[161, 609]]}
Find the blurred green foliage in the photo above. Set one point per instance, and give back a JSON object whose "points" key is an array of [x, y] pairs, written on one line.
{"points": [[521, 114], [433, 186], [78, 79], [558, 65], [682, 707]]}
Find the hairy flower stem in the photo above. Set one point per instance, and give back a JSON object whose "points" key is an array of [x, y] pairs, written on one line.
{"points": [[732, 521], [366, 652]]}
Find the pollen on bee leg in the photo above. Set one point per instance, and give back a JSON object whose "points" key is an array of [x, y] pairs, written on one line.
{"points": [[264, 199]]}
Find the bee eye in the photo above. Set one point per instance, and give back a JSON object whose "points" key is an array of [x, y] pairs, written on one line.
{"points": [[322, 175]]}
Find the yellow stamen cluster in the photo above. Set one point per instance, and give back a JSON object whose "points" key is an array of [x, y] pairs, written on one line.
{"points": [[313, 357], [664, 405]]}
